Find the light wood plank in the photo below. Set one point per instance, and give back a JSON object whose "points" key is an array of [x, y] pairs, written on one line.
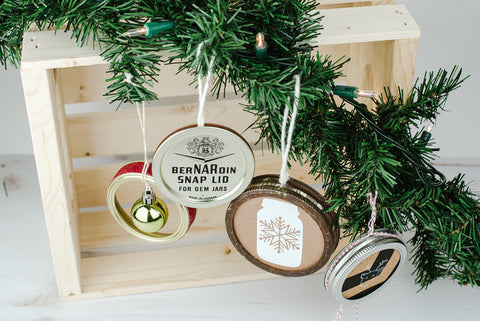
{"points": [[100, 233], [353, 2], [334, 4], [50, 49], [364, 24], [118, 132], [403, 63], [168, 269], [88, 83], [92, 182], [45, 114], [43, 50], [165, 269]]}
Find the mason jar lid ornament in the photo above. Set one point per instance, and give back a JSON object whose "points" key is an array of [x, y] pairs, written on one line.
{"points": [[282, 229], [365, 265], [149, 214], [280, 224], [204, 165]]}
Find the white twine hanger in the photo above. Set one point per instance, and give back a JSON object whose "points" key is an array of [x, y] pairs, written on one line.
{"points": [[203, 87], [286, 140], [141, 119]]}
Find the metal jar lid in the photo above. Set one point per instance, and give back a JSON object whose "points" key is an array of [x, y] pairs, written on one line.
{"points": [[203, 166], [364, 266], [299, 209], [132, 173]]}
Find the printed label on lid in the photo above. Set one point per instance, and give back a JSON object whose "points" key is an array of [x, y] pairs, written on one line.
{"points": [[370, 274], [202, 165]]}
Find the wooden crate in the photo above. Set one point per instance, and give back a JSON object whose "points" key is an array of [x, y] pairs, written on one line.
{"points": [[78, 150]]}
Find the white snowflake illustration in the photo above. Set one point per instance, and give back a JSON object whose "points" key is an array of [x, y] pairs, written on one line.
{"points": [[281, 236]]}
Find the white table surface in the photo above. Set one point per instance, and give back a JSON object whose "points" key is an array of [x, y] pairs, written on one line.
{"points": [[28, 290]]}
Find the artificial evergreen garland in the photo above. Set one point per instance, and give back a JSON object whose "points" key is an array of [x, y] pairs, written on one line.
{"points": [[353, 150]]}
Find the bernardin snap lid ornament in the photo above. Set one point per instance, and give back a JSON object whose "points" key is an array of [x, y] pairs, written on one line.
{"points": [[365, 265], [279, 224], [203, 165]]}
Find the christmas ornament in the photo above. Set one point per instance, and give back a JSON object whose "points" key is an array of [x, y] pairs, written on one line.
{"points": [[283, 229], [203, 166], [149, 213], [280, 223], [365, 265], [132, 172]]}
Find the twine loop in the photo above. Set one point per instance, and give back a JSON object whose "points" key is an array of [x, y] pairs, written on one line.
{"points": [[286, 139], [203, 86]]}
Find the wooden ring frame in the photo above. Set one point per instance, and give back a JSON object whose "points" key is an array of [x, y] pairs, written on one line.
{"points": [[298, 193]]}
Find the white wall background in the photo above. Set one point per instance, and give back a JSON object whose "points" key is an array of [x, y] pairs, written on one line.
{"points": [[449, 37]]}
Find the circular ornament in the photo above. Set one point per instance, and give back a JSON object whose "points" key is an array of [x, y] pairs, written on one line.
{"points": [[149, 213], [132, 172], [203, 166], [282, 229], [364, 266]]}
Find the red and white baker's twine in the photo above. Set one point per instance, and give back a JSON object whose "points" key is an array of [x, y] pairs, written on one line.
{"points": [[338, 317], [373, 218], [371, 232], [339, 314]]}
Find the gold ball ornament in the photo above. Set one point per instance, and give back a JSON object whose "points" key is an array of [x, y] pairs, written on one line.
{"points": [[149, 213]]}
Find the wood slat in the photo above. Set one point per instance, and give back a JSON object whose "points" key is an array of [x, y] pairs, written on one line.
{"points": [[116, 132], [54, 167], [353, 2], [365, 24], [168, 269], [92, 182], [165, 269], [45, 50], [50, 49], [100, 233], [88, 83]]}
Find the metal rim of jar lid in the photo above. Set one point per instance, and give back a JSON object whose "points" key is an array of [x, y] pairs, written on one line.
{"points": [[343, 263], [269, 185], [124, 219], [212, 129]]}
